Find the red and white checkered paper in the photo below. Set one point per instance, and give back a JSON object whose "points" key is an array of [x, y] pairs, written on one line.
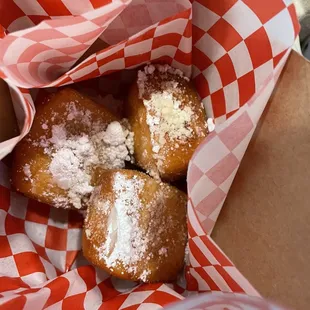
{"points": [[233, 50]]}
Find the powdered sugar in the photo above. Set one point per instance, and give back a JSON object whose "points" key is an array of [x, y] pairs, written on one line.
{"points": [[27, 172], [166, 118], [125, 241]]}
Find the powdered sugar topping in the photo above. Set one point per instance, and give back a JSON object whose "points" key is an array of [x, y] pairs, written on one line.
{"points": [[125, 241]]}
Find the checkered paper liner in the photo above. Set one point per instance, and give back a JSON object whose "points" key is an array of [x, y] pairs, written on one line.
{"points": [[233, 50]]}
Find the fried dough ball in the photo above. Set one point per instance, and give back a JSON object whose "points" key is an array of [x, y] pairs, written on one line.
{"points": [[135, 227], [53, 163], [168, 121]]}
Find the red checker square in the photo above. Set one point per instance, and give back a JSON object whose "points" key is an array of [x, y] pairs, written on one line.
{"points": [[184, 58], [76, 302], [136, 15], [145, 36], [200, 59], [10, 284], [5, 247], [218, 103], [41, 35], [137, 60], [277, 58], [167, 39], [37, 19], [218, 7], [117, 55], [99, 3], [202, 86], [54, 8], [198, 255], [292, 11], [37, 212], [230, 114], [233, 135], [92, 35], [107, 290], [197, 34], [27, 263], [225, 34], [132, 307], [88, 274], [58, 289], [162, 298], [14, 225], [4, 198], [95, 73], [265, 9], [18, 302], [11, 13], [70, 258], [188, 30], [246, 86], [40, 251], [114, 303], [226, 70], [209, 203], [56, 238], [222, 170], [259, 47]]}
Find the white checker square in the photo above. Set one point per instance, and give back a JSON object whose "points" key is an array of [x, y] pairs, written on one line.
{"points": [[174, 26], [231, 93], [110, 51], [211, 153], [58, 218], [36, 232], [185, 45], [34, 279], [77, 284], [20, 243], [138, 48], [240, 149], [217, 278], [50, 270], [195, 71], [31, 9], [61, 43], [113, 65], [2, 222], [241, 59], [210, 47], [135, 298], [18, 205], [204, 18], [243, 19], [57, 258], [166, 50], [202, 189], [8, 267], [213, 77], [13, 52], [24, 23], [77, 8], [262, 73], [38, 299], [93, 299], [280, 32], [74, 237]]}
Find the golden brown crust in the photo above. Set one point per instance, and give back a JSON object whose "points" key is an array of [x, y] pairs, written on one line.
{"points": [[31, 152], [174, 154], [161, 221]]}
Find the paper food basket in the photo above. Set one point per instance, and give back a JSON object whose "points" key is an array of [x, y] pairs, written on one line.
{"points": [[233, 50]]}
